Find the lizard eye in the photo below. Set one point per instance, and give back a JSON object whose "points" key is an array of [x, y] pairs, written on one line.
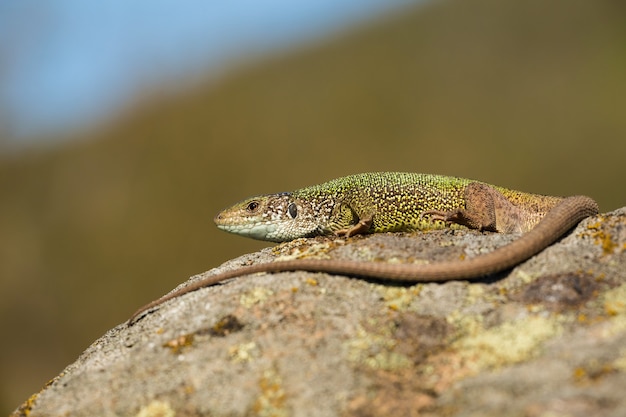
{"points": [[292, 210], [252, 206]]}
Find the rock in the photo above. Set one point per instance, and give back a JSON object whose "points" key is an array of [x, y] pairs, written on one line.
{"points": [[546, 338]]}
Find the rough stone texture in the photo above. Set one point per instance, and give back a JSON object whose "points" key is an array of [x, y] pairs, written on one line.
{"points": [[547, 338]]}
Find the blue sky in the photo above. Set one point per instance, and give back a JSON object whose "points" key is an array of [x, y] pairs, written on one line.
{"points": [[65, 64]]}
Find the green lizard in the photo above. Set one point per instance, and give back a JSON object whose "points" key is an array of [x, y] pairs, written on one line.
{"points": [[392, 202]]}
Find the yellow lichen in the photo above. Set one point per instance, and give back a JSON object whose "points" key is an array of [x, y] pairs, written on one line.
{"points": [[156, 409], [376, 351], [243, 352], [297, 249], [225, 326], [177, 344], [271, 400], [312, 282], [593, 371], [27, 406], [615, 301], [602, 238], [511, 342], [614, 305], [579, 373], [256, 296], [464, 323], [397, 298]]}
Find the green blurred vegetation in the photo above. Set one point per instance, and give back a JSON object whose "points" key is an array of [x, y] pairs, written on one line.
{"points": [[525, 94]]}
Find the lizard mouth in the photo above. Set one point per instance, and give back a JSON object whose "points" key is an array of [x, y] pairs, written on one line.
{"points": [[265, 231]]}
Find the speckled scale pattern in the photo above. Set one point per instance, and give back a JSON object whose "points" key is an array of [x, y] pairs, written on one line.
{"points": [[395, 201], [396, 198]]}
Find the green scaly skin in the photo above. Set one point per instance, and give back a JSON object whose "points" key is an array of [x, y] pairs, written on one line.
{"points": [[387, 202], [395, 201]]}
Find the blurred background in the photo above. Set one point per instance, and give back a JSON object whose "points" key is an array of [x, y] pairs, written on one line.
{"points": [[125, 126]]}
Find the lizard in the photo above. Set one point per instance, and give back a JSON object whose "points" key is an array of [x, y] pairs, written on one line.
{"points": [[397, 202]]}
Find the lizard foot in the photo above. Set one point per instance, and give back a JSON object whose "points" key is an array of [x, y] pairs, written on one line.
{"points": [[362, 227], [452, 216]]}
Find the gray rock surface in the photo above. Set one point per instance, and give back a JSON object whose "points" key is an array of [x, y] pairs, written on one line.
{"points": [[547, 338]]}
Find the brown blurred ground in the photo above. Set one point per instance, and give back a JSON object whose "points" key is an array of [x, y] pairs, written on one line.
{"points": [[526, 94]]}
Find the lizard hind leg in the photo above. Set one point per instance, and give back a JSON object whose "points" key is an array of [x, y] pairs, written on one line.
{"points": [[479, 212]]}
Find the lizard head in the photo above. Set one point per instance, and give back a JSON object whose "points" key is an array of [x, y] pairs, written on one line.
{"points": [[273, 217]]}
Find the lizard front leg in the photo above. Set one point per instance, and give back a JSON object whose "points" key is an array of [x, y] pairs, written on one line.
{"points": [[362, 227], [345, 221]]}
